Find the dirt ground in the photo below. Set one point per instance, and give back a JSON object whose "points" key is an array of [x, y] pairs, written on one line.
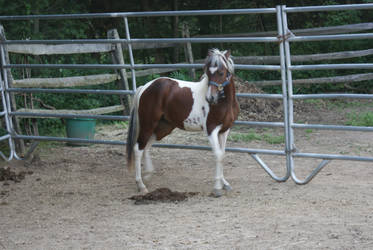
{"points": [[78, 197]]}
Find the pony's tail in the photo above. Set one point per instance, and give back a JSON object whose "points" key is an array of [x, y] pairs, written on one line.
{"points": [[133, 132]]}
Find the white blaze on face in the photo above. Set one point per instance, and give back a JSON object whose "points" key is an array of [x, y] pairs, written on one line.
{"points": [[213, 69]]}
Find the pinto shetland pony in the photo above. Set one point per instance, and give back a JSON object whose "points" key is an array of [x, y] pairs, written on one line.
{"points": [[164, 104]]}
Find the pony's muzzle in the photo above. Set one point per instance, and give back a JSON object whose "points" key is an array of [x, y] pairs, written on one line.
{"points": [[212, 100]]}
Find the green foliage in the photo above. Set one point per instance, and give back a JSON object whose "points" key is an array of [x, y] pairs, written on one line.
{"points": [[308, 131], [121, 124], [51, 127], [181, 75], [364, 119]]}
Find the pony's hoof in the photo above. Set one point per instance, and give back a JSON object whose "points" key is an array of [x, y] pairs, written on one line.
{"points": [[143, 191], [216, 193], [147, 176], [227, 188]]}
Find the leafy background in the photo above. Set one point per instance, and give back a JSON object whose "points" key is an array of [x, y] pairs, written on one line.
{"points": [[165, 27]]}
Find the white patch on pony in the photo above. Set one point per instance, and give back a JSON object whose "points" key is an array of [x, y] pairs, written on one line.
{"points": [[196, 120], [213, 69]]}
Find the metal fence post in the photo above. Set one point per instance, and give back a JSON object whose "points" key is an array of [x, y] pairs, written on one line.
{"points": [[281, 36], [292, 149], [132, 61]]}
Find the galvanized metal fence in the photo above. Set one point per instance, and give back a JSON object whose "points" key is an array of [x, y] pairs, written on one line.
{"points": [[283, 39]]}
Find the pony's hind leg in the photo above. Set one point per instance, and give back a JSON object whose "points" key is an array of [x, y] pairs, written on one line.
{"points": [[138, 155], [148, 165]]}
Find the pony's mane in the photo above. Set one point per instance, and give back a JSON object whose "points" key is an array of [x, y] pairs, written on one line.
{"points": [[216, 58]]}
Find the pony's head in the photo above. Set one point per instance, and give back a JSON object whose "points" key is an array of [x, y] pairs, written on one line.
{"points": [[219, 69]]}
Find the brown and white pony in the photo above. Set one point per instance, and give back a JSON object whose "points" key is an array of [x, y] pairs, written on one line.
{"points": [[164, 104]]}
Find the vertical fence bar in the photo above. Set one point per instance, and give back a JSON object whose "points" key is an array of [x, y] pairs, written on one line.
{"points": [[290, 120], [285, 105], [281, 33], [132, 61], [6, 105]]}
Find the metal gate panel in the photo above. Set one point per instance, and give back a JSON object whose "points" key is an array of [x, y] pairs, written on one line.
{"points": [[326, 158], [284, 38]]}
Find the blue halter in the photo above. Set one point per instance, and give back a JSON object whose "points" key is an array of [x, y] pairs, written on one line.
{"points": [[222, 85]]}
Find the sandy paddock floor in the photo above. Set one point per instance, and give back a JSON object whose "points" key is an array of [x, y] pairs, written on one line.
{"points": [[77, 198]]}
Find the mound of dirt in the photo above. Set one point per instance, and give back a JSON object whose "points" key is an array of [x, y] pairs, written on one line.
{"points": [[161, 195], [257, 109], [8, 175]]}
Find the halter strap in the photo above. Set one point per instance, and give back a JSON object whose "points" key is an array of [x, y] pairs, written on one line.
{"points": [[222, 85], [219, 85]]}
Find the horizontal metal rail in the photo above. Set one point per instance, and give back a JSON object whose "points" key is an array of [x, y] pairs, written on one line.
{"points": [[261, 124], [72, 91], [4, 137], [193, 40], [142, 14], [332, 127], [121, 92], [256, 95], [330, 37], [128, 66], [332, 96], [149, 40], [125, 118], [332, 66], [333, 157], [157, 145], [329, 8]]}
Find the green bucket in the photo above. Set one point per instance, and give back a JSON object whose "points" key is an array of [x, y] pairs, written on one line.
{"points": [[82, 128]]}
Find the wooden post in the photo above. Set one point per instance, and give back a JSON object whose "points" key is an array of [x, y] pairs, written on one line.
{"points": [[20, 144], [188, 50], [176, 31], [117, 56]]}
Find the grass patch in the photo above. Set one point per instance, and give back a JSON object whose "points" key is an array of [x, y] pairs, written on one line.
{"points": [[246, 137], [252, 135], [121, 124], [364, 119], [273, 139], [343, 104]]}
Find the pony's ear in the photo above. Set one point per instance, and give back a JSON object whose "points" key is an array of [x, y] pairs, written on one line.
{"points": [[227, 53]]}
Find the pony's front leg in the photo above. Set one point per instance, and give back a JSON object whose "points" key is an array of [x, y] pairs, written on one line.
{"points": [[138, 155], [219, 154], [222, 141]]}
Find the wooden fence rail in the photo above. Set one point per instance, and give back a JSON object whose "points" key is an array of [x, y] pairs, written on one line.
{"points": [[303, 58], [334, 79], [96, 111]]}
